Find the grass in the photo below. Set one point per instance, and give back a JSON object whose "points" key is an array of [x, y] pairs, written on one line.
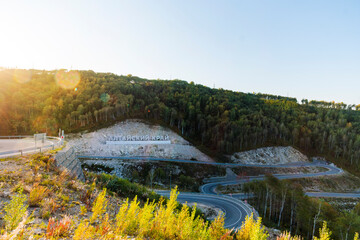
{"points": [[37, 195]]}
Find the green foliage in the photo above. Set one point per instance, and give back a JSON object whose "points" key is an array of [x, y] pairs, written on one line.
{"points": [[123, 187], [15, 210], [97, 168], [218, 119], [186, 182], [300, 213]]}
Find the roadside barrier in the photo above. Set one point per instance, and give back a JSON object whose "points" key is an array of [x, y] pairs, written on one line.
{"points": [[22, 151]]}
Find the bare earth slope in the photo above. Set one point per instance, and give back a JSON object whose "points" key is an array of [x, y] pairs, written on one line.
{"points": [[269, 155], [94, 143]]}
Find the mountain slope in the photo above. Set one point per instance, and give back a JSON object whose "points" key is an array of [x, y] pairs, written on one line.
{"points": [[223, 121]]}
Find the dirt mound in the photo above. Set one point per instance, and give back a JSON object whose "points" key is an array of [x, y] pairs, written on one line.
{"points": [[270, 155]]}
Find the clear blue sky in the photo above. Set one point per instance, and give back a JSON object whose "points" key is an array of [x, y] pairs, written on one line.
{"points": [[305, 49]]}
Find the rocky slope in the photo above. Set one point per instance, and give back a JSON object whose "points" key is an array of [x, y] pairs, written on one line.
{"points": [[269, 155], [94, 143]]}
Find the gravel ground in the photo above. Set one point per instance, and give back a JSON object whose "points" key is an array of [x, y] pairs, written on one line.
{"points": [[94, 143], [269, 155], [210, 212]]}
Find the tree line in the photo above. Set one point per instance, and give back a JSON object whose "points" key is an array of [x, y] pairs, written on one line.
{"points": [[221, 120], [284, 204]]}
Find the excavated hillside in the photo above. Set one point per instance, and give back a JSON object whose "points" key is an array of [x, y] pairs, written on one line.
{"points": [[270, 155], [94, 143]]}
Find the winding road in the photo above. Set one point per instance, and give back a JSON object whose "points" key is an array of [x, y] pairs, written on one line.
{"points": [[234, 209]]}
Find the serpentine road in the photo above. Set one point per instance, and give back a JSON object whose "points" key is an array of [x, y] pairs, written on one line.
{"points": [[234, 209]]}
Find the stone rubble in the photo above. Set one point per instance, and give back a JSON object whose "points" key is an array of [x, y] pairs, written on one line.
{"points": [[270, 155]]}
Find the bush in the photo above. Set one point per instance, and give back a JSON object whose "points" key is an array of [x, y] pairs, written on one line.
{"points": [[15, 210], [60, 228], [252, 229], [186, 182], [48, 207], [99, 206], [152, 221], [124, 187], [37, 194], [324, 232]]}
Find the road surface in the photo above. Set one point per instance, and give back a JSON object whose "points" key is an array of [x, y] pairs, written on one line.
{"points": [[17, 145], [234, 210], [333, 194]]}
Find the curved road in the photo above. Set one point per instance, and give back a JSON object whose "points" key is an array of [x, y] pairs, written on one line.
{"points": [[209, 188], [235, 210], [18, 145]]}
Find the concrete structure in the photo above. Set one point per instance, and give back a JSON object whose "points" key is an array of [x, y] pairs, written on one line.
{"points": [[67, 159]]}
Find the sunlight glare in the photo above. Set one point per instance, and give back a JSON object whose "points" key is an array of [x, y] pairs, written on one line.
{"points": [[22, 76], [67, 80]]}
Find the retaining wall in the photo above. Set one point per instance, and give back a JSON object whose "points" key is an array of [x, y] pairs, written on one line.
{"points": [[66, 158]]}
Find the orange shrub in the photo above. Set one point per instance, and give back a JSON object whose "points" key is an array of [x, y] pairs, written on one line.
{"points": [[60, 228]]}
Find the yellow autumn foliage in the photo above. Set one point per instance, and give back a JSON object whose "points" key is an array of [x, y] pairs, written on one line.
{"points": [[152, 221], [324, 233], [252, 230]]}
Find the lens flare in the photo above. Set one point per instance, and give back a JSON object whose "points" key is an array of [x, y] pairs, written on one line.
{"points": [[105, 97], [67, 80], [22, 76]]}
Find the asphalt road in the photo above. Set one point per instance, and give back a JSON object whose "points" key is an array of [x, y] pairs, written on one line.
{"points": [[209, 188], [333, 194], [234, 210], [25, 145]]}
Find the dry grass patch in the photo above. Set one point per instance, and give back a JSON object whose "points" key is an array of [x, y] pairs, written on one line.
{"points": [[37, 195]]}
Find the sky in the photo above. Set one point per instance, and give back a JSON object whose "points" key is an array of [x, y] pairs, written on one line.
{"points": [[300, 48]]}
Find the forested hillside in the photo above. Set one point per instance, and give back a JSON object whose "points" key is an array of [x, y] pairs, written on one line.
{"points": [[221, 120]]}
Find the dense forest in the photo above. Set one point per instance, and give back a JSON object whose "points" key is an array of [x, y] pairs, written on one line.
{"points": [[284, 204], [220, 120]]}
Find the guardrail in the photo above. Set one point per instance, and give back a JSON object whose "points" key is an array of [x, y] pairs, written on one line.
{"points": [[16, 137], [22, 151]]}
